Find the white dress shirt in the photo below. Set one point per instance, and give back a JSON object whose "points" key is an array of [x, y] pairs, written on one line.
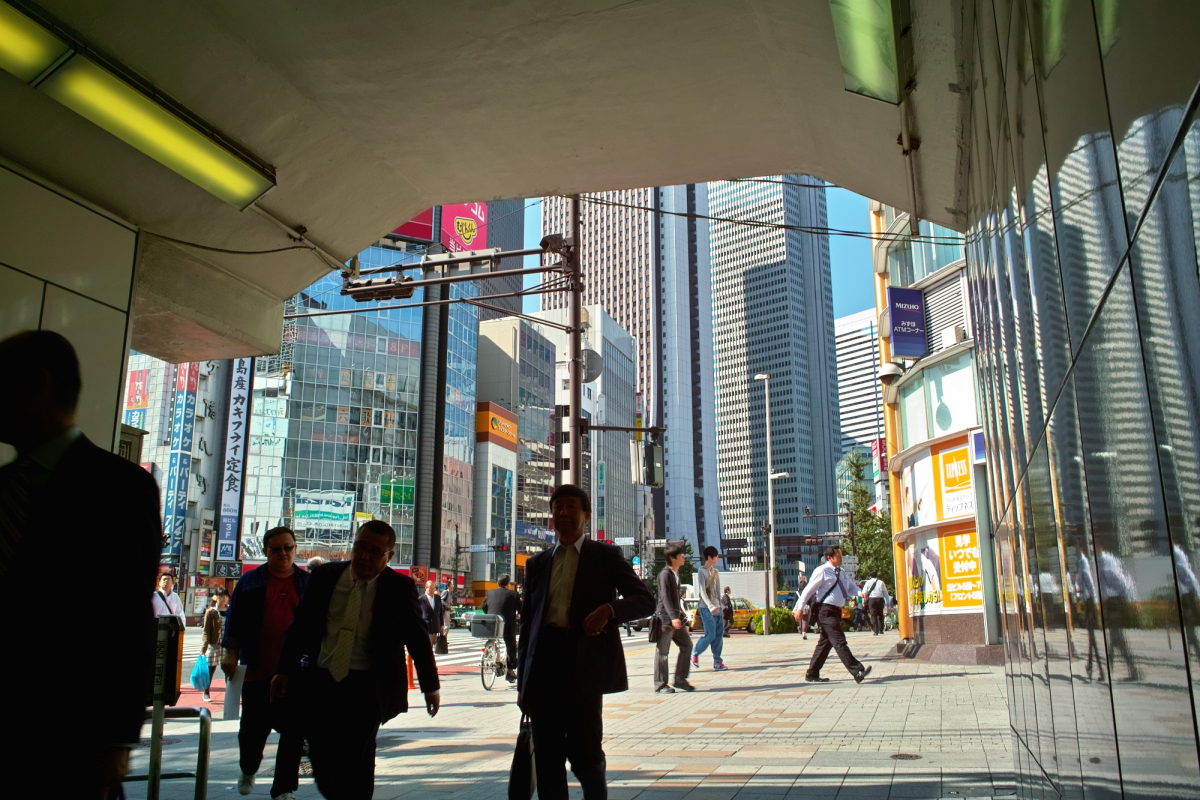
{"points": [[824, 577], [562, 584], [173, 605], [874, 587], [360, 655]]}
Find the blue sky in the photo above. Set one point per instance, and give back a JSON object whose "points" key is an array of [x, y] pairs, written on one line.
{"points": [[850, 258]]}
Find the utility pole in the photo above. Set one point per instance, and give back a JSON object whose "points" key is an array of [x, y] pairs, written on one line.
{"points": [[766, 379], [575, 347]]}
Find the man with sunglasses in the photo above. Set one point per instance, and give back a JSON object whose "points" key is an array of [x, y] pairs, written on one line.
{"points": [[260, 611]]}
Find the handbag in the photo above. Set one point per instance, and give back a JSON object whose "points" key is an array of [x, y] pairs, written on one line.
{"points": [[442, 645], [655, 629], [200, 677], [522, 776]]}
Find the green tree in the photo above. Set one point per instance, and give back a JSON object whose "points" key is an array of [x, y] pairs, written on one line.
{"points": [[872, 531]]}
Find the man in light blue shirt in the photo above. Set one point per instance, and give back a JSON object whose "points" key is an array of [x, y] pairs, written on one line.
{"points": [[876, 593], [830, 587]]}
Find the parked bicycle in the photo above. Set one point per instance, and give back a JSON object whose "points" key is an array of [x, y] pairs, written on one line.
{"points": [[490, 627]]}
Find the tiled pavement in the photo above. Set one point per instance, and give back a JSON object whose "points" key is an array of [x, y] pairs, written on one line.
{"points": [[756, 731]]}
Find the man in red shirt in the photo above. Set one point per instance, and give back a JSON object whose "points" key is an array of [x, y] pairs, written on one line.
{"points": [[260, 612]]}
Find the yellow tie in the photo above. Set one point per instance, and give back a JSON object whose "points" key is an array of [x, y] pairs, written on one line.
{"points": [[339, 665]]}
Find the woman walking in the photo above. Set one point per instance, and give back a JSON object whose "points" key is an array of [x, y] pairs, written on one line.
{"points": [[214, 627]]}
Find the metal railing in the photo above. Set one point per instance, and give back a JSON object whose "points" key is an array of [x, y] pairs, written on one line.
{"points": [[155, 775]]}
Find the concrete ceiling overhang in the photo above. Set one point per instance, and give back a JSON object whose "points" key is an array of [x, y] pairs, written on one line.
{"points": [[371, 111]]}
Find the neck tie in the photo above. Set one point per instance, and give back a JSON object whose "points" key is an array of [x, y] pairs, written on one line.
{"points": [[339, 665], [558, 587], [14, 508], [837, 579]]}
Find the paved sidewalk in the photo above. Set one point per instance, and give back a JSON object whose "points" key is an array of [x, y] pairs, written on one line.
{"points": [[756, 731]]}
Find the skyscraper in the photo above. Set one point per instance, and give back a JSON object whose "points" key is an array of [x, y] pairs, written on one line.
{"points": [[506, 230], [860, 401], [646, 263], [773, 313]]}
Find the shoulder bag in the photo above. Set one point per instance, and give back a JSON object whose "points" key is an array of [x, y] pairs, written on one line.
{"points": [[522, 777]]}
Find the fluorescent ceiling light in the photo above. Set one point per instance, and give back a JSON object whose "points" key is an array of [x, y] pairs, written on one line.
{"points": [[866, 40], [97, 94], [26, 48]]}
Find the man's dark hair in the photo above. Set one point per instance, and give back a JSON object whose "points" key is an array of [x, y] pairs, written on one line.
{"points": [[874, 573], [27, 353], [710, 552], [380, 528], [832, 550], [502, 580], [271, 534], [674, 551], [222, 592], [571, 490]]}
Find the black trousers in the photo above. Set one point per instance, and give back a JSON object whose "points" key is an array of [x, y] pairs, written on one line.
{"points": [[259, 717], [342, 724], [510, 649], [829, 619], [728, 625], [1091, 621], [566, 719], [875, 604], [683, 661]]}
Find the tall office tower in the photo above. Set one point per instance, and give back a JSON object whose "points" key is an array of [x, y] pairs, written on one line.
{"points": [[649, 270], [773, 314], [860, 399], [506, 230]]}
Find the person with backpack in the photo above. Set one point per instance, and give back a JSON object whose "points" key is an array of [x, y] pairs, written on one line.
{"points": [[710, 610], [877, 596], [831, 587]]}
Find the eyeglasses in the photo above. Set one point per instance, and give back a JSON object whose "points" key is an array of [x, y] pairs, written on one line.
{"points": [[370, 551], [282, 548]]}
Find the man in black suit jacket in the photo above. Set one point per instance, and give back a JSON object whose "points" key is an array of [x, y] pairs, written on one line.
{"points": [[504, 602], [570, 652], [433, 611], [345, 650], [95, 497]]}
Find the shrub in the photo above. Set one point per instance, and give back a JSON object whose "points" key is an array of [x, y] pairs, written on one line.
{"points": [[782, 621]]}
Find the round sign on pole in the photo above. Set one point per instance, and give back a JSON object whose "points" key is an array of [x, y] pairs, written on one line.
{"points": [[636, 560]]}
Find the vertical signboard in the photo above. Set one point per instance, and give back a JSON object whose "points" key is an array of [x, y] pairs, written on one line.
{"points": [[464, 227], [963, 585], [600, 502], [235, 459], [137, 398], [906, 307], [179, 465]]}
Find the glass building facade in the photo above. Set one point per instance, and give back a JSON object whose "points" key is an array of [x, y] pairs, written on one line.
{"points": [[1084, 215], [334, 417]]}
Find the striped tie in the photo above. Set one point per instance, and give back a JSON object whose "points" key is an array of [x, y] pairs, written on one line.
{"points": [[15, 493], [339, 665]]}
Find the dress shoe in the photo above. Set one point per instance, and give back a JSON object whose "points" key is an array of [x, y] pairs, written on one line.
{"points": [[815, 679], [684, 686], [862, 673], [664, 689]]}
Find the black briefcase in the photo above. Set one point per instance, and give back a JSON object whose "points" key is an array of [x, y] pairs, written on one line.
{"points": [[656, 627], [441, 646], [522, 777]]}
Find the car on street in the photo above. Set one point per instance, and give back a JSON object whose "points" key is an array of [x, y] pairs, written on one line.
{"points": [[461, 616], [743, 613]]}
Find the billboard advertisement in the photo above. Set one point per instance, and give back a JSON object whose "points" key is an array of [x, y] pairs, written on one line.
{"points": [[464, 227], [953, 490], [136, 392], [917, 493], [906, 307], [179, 465], [496, 424], [963, 588], [924, 568], [235, 457], [419, 229], [329, 511]]}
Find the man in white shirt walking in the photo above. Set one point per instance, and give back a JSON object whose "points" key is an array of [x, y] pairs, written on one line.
{"points": [[877, 596], [710, 610], [165, 602], [831, 587]]}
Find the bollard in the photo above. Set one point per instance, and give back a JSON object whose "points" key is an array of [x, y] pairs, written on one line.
{"points": [[411, 678]]}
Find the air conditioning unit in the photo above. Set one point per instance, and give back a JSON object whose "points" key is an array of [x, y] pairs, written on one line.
{"points": [[953, 335]]}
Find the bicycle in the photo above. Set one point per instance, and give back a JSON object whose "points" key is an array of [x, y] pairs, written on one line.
{"points": [[492, 662]]}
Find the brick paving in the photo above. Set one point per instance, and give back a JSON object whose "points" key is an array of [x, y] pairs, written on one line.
{"points": [[755, 731]]}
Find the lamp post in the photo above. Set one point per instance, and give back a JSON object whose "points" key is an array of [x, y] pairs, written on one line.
{"points": [[772, 476]]}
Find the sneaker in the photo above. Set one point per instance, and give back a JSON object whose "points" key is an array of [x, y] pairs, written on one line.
{"points": [[684, 686], [207, 699], [664, 689], [284, 796], [862, 673], [695, 660], [245, 784], [719, 667], [815, 679]]}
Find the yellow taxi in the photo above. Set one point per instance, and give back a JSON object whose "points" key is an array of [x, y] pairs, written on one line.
{"points": [[743, 613]]}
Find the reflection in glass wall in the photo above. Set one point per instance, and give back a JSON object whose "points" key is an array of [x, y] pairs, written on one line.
{"points": [[1084, 206]]}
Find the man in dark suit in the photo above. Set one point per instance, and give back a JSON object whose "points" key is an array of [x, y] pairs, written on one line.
{"points": [[345, 652], [570, 652], [108, 501], [433, 611], [504, 602]]}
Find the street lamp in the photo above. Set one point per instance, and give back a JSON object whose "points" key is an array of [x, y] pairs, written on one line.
{"points": [[772, 476]]}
